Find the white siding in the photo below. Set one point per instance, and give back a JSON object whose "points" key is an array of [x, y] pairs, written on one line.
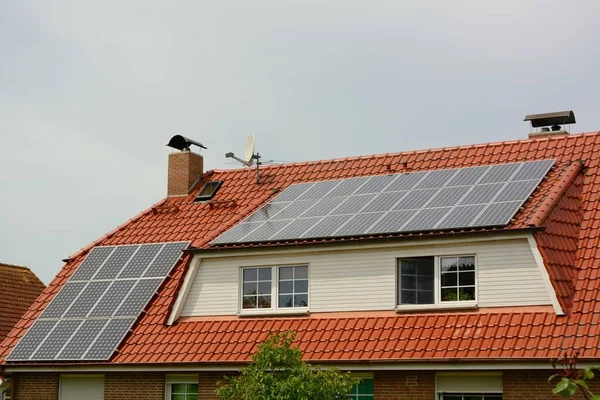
{"points": [[86, 387], [365, 279]]}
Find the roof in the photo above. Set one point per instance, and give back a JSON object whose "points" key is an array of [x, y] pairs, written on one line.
{"points": [[19, 287], [564, 212]]}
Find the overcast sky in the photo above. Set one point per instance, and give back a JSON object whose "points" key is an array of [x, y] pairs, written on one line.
{"points": [[91, 91]]}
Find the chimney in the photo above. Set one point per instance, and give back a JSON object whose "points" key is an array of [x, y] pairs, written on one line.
{"points": [[549, 124], [185, 166]]}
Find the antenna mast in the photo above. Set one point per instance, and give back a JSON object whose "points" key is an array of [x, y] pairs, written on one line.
{"points": [[249, 157]]}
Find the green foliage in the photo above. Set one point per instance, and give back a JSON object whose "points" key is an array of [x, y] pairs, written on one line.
{"points": [[277, 372], [573, 380]]}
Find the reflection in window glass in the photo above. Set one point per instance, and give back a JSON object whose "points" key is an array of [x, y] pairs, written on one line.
{"points": [[457, 277], [416, 280], [256, 288], [363, 390], [293, 286], [184, 391]]}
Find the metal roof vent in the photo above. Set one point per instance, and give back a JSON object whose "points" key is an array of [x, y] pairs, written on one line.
{"points": [[182, 143], [550, 123]]}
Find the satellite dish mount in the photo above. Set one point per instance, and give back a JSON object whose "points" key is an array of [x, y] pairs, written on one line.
{"points": [[250, 157]]}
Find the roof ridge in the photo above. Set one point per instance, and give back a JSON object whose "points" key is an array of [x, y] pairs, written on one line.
{"points": [[118, 228], [14, 266], [410, 152], [556, 192]]}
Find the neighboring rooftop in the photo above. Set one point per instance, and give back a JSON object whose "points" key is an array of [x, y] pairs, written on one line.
{"points": [[19, 287]]}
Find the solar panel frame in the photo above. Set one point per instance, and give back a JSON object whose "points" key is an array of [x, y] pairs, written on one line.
{"points": [[436, 199]]}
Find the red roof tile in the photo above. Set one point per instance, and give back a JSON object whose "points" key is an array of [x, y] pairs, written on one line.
{"points": [[19, 287], [568, 212]]}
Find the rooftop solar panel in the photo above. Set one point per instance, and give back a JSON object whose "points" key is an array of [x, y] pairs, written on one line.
{"points": [[420, 201], [81, 323]]}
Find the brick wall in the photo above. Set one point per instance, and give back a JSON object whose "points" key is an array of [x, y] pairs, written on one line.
{"points": [[534, 385], [389, 385], [38, 386], [138, 386], [207, 383], [404, 385], [184, 170]]}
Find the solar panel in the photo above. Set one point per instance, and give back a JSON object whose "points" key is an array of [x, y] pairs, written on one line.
{"points": [[95, 309], [325, 227], [112, 298], [104, 345], [420, 201], [85, 302], [117, 260], [54, 343], [92, 263], [81, 339]]}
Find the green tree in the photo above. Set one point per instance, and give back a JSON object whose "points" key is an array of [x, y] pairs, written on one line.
{"points": [[277, 372]]}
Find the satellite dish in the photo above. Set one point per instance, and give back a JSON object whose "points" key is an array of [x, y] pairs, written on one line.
{"points": [[249, 150]]}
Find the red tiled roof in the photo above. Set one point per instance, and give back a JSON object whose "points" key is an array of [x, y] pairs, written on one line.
{"points": [[19, 287], [569, 245]]}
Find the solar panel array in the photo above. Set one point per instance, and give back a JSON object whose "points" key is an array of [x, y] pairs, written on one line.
{"points": [[95, 309], [411, 202]]}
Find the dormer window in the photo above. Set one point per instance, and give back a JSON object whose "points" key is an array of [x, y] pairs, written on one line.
{"points": [[208, 190], [280, 289], [436, 280]]}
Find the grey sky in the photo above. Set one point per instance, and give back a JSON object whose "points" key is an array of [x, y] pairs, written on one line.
{"points": [[90, 92]]}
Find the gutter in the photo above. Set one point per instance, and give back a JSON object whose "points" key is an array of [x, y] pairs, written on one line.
{"points": [[362, 240]]}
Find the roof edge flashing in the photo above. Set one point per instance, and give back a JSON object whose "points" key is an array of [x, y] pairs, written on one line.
{"points": [[565, 181]]}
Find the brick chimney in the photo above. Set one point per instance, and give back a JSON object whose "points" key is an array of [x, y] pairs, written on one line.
{"points": [[185, 167]]}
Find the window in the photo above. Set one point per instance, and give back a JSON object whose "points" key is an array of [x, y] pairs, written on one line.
{"points": [[469, 385], [274, 288], [181, 387], [208, 190], [257, 288], [293, 286], [363, 390], [436, 280], [184, 391]]}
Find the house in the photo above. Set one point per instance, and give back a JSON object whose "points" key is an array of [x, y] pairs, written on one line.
{"points": [[19, 287], [451, 273]]}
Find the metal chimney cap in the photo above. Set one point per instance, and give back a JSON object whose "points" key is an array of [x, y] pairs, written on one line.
{"points": [[549, 119], [182, 143]]}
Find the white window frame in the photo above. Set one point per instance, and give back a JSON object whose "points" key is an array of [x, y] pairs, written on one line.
{"points": [[187, 379], [437, 303], [274, 309]]}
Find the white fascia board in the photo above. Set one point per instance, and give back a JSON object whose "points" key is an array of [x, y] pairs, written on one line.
{"points": [[539, 260], [188, 281], [358, 245], [358, 366]]}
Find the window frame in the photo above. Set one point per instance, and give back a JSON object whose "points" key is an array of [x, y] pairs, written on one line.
{"points": [[437, 286], [274, 309], [181, 379]]}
